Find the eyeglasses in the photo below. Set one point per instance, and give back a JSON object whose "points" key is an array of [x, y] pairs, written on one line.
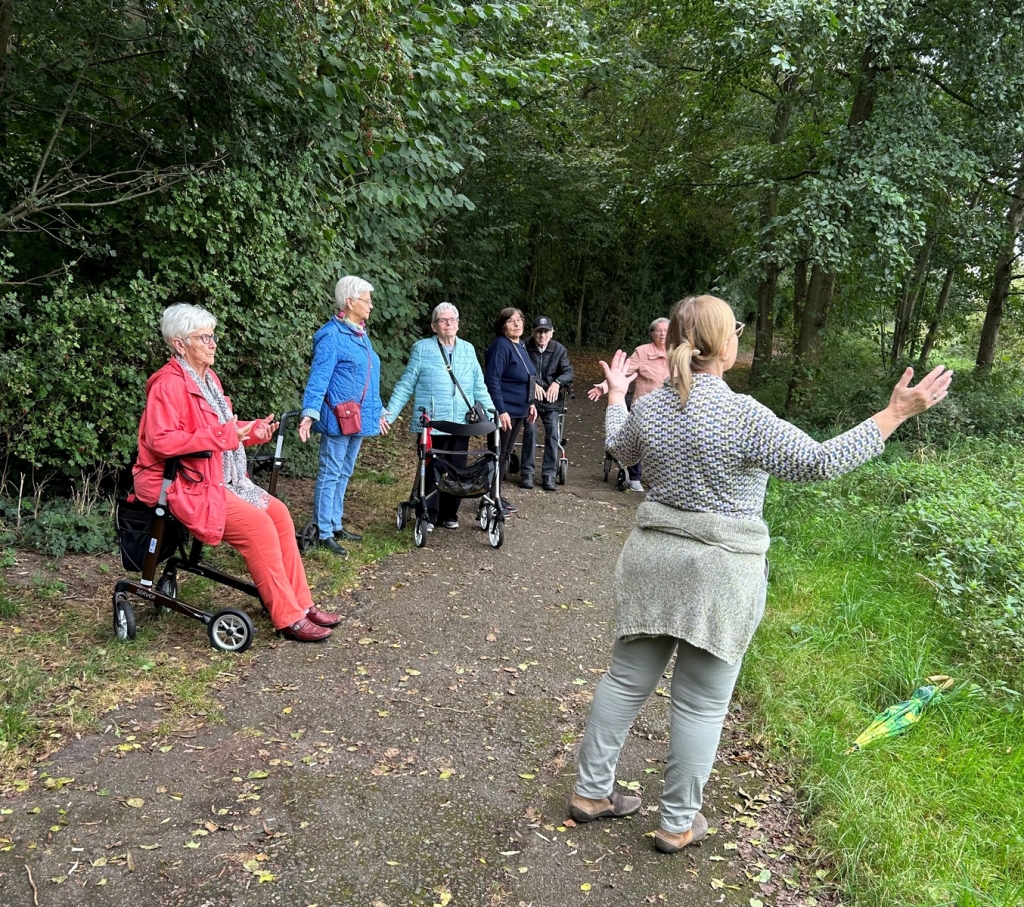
{"points": [[739, 329], [515, 319], [205, 339], [447, 321]]}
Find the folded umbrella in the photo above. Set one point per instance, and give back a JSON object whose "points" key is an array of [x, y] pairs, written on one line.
{"points": [[903, 715]]}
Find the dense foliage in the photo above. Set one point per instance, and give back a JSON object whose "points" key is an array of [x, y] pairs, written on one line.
{"points": [[237, 155]]}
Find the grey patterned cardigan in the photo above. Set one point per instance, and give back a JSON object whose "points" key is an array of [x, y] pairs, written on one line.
{"points": [[694, 567]]}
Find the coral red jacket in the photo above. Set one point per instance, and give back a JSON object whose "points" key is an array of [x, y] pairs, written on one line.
{"points": [[178, 420]]}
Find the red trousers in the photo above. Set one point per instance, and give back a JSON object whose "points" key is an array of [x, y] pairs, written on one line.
{"points": [[266, 541]]}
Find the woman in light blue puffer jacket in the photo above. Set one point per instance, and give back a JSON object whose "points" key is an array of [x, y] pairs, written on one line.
{"points": [[427, 381]]}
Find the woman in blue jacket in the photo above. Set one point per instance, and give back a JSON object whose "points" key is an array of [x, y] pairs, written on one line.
{"points": [[427, 380], [508, 370], [345, 367]]}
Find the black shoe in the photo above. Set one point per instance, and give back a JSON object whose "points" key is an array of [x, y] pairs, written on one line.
{"points": [[508, 507], [526, 482], [332, 546], [343, 533], [549, 483]]}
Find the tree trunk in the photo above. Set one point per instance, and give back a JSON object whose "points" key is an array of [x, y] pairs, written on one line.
{"points": [[933, 328], [584, 269], [913, 293], [807, 355], [819, 293], [799, 293], [764, 334], [6, 30], [1002, 278]]}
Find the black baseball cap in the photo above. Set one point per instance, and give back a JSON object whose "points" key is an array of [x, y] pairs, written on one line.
{"points": [[543, 324]]}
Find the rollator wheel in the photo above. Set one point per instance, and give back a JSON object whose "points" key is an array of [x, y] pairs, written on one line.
{"points": [[621, 480], [514, 462], [483, 515], [419, 532], [401, 516], [124, 617], [168, 585], [495, 532], [306, 537], [231, 631], [563, 470], [607, 468]]}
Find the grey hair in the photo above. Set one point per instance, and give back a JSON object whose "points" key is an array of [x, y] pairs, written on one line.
{"points": [[349, 287], [442, 307], [655, 323], [182, 319]]}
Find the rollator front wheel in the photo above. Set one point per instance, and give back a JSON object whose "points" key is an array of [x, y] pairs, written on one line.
{"points": [[607, 468], [231, 631], [306, 537], [496, 532], [402, 516], [563, 470], [621, 480], [419, 533], [124, 617], [483, 516]]}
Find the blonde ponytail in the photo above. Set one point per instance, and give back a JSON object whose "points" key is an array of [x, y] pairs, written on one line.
{"points": [[698, 330]]}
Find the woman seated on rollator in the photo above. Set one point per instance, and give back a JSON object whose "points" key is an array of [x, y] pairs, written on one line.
{"points": [[187, 412]]}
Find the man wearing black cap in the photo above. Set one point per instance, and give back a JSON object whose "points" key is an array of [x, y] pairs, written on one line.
{"points": [[551, 360]]}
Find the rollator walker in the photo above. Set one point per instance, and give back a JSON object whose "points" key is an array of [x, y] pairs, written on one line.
{"points": [[149, 536], [478, 479]]}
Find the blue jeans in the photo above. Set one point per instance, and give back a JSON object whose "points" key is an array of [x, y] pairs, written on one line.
{"points": [[337, 462]]}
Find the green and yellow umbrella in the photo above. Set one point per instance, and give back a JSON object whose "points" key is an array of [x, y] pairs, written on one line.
{"points": [[903, 715]]}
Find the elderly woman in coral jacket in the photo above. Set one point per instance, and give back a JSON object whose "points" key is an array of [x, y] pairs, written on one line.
{"points": [[187, 412]]}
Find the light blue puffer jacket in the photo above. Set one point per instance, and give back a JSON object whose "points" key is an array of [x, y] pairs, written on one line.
{"points": [[427, 381]]}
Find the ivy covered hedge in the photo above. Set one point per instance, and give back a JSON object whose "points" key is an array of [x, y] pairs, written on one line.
{"points": [[237, 155]]}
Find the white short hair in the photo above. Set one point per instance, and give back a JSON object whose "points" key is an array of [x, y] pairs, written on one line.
{"points": [[182, 319], [350, 287], [440, 308], [655, 323]]}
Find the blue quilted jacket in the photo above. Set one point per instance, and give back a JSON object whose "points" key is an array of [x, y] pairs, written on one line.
{"points": [[428, 383], [341, 356]]}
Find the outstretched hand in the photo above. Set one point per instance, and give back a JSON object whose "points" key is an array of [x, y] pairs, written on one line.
{"points": [[615, 377], [907, 401]]}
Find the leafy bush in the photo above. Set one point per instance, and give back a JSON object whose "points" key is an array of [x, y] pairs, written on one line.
{"points": [[60, 527], [963, 517]]}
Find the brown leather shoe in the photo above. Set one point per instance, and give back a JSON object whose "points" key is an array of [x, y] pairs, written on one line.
{"points": [[305, 631], [673, 842], [617, 806], [323, 618]]}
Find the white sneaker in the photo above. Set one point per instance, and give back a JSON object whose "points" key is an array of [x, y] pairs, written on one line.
{"points": [[451, 524], [634, 485]]}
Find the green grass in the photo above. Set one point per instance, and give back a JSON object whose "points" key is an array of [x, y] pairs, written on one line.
{"points": [[935, 817]]}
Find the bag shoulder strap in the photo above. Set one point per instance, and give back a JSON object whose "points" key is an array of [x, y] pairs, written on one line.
{"points": [[447, 365]]}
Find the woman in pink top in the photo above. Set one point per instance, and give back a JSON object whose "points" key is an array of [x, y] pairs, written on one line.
{"points": [[649, 363]]}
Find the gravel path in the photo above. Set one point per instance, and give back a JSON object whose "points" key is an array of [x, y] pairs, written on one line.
{"points": [[423, 756]]}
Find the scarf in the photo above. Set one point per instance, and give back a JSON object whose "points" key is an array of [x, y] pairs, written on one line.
{"points": [[236, 478]]}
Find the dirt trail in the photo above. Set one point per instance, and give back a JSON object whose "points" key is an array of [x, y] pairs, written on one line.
{"points": [[423, 756]]}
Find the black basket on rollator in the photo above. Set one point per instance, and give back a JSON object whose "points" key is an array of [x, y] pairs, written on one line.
{"points": [[479, 478]]}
